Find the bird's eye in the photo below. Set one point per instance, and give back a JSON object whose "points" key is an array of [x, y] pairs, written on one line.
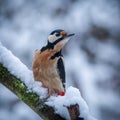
{"points": [[57, 34]]}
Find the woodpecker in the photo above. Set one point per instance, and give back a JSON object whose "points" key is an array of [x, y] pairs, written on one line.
{"points": [[48, 66]]}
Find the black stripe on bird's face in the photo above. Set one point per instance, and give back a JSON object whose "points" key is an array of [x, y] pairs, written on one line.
{"points": [[63, 38], [57, 37]]}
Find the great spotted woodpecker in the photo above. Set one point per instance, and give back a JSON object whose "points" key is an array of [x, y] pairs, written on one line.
{"points": [[48, 66]]}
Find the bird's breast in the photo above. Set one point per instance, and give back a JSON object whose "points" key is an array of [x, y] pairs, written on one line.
{"points": [[45, 70], [44, 66]]}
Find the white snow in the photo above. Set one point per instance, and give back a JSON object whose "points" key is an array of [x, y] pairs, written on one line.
{"points": [[16, 67], [23, 36], [72, 97]]}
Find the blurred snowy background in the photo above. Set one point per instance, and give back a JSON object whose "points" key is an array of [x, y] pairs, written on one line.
{"points": [[92, 57]]}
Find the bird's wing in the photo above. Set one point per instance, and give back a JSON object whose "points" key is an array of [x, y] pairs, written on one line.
{"points": [[61, 70]]}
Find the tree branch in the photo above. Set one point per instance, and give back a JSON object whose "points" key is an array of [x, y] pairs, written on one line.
{"points": [[30, 98], [45, 108]]}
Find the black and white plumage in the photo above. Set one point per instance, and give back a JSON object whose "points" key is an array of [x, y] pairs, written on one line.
{"points": [[60, 66], [48, 66]]}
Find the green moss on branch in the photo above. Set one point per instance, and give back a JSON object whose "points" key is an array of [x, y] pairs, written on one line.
{"points": [[30, 98]]}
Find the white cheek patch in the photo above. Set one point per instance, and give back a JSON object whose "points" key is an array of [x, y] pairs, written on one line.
{"points": [[53, 38]]}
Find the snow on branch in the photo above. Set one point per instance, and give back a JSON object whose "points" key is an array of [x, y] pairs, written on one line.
{"points": [[17, 68], [16, 71]]}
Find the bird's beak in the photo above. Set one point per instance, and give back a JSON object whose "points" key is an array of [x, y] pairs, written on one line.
{"points": [[63, 33], [68, 36], [63, 41]]}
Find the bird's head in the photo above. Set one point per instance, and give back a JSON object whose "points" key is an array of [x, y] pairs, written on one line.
{"points": [[58, 38]]}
